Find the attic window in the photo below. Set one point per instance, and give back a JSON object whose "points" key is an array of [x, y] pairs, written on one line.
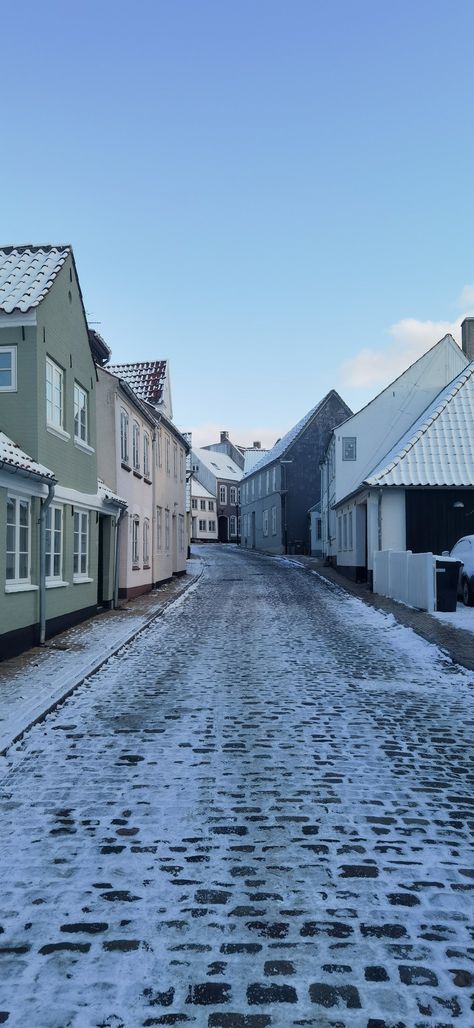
{"points": [[349, 447], [214, 465]]}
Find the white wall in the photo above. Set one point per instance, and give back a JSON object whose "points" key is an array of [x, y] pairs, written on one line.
{"points": [[393, 519]]}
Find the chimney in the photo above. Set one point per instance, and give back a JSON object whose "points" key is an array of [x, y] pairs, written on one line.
{"points": [[224, 437], [257, 445], [467, 329]]}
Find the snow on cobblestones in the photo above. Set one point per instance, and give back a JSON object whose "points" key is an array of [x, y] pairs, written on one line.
{"points": [[258, 814]]}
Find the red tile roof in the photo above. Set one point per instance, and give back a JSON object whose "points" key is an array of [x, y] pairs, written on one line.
{"points": [[146, 378]]}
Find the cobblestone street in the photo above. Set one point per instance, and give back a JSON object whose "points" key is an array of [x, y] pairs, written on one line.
{"points": [[258, 814]]}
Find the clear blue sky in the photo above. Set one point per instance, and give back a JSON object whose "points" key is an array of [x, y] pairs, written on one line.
{"points": [[256, 189]]}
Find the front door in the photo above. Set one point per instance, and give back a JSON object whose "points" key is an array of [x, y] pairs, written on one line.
{"points": [[223, 525]]}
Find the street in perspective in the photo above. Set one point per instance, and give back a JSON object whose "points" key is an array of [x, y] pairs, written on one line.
{"points": [[257, 813]]}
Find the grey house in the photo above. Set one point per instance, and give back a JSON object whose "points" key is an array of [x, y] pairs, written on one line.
{"points": [[280, 489], [57, 521]]}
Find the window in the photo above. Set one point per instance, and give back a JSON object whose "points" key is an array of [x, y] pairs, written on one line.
{"points": [[202, 526], [319, 529], [54, 543], [274, 521], [194, 504], [181, 468], [7, 369], [233, 524], [223, 494], [81, 544], [159, 448], [211, 504], [159, 528], [181, 532], [268, 481], [339, 532], [238, 495], [168, 451], [259, 481], [265, 522], [175, 460], [212, 526], [135, 541], [344, 531], [18, 540], [80, 413], [253, 488], [349, 447], [349, 531], [124, 436], [136, 446], [146, 454], [233, 494], [167, 531], [146, 542], [203, 504], [54, 394], [274, 478]]}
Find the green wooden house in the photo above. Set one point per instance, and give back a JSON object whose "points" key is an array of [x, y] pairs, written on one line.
{"points": [[57, 521]]}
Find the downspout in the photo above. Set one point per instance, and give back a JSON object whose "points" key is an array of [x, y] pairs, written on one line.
{"points": [[379, 519], [117, 558], [45, 504]]}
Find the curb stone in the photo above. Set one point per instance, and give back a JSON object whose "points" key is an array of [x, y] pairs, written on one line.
{"points": [[88, 670]]}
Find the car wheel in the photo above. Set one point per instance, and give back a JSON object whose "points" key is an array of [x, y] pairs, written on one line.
{"points": [[467, 594]]}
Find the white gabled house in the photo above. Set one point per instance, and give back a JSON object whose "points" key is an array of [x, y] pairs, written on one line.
{"points": [[357, 516], [203, 514]]}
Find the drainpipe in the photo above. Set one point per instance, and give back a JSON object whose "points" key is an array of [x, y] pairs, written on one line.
{"points": [[42, 555], [117, 556], [379, 519]]}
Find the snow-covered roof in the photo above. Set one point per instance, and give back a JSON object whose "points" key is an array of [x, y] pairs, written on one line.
{"points": [[219, 464], [27, 273], [252, 455], [14, 459], [438, 449], [198, 490], [106, 494], [146, 378], [279, 449]]}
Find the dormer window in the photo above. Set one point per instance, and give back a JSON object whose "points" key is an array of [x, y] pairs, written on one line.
{"points": [[7, 369]]}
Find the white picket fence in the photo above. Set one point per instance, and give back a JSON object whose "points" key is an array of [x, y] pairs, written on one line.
{"points": [[406, 576]]}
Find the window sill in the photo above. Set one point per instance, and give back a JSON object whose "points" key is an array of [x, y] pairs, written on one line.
{"points": [[147, 480], [20, 587], [137, 473], [146, 567], [57, 431], [81, 579], [125, 466], [8, 389], [136, 567], [55, 583], [81, 445]]}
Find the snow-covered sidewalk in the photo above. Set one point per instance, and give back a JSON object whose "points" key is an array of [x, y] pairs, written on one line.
{"points": [[33, 683]]}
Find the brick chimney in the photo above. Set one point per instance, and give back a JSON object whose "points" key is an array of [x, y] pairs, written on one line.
{"points": [[257, 445], [224, 437], [467, 329]]}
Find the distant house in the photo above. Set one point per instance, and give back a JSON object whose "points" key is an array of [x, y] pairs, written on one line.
{"points": [[204, 514], [57, 521], [363, 506], [153, 451], [221, 476], [280, 488], [236, 453]]}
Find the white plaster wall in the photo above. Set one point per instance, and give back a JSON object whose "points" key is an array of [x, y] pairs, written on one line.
{"points": [[393, 519]]}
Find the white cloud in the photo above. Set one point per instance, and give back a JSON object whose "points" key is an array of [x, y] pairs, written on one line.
{"points": [[411, 338], [466, 299], [210, 432]]}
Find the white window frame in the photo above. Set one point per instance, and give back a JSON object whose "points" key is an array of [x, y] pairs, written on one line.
{"points": [[159, 528], [181, 532], [19, 580], [135, 540], [167, 530], [274, 478], [212, 525], [181, 465], [265, 522], [274, 521], [79, 409], [168, 454], [54, 384], [81, 553], [223, 494], [159, 448], [51, 549], [146, 455], [233, 525], [202, 525], [233, 494], [124, 428], [146, 542], [194, 504], [136, 446], [211, 505], [350, 538], [12, 388], [175, 461], [202, 504]]}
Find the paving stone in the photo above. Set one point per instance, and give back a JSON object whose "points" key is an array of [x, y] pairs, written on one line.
{"points": [[411, 974], [263, 994], [331, 995], [208, 993]]}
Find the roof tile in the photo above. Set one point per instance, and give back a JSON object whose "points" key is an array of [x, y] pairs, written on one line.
{"points": [[27, 273]]}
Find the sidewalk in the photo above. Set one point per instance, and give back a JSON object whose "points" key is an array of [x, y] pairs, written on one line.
{"points": [[35, 682], [456, 642]]}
